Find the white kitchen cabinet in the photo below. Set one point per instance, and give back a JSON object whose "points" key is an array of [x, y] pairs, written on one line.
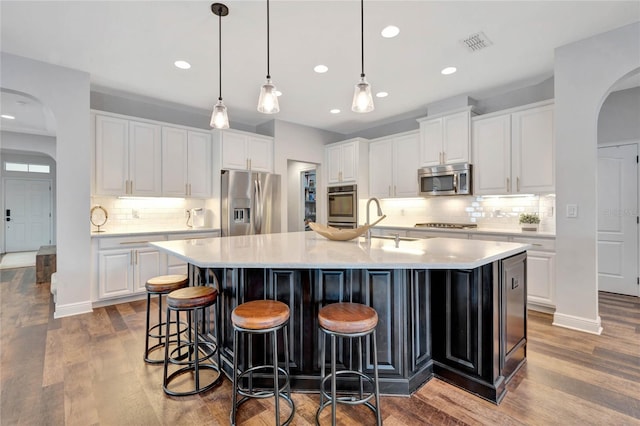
{"points": [[445, 139], [128, 157], [393, 165], [186, 165], [348, 162], [514, 152], [246, 151], [125, 266], [540, 273]]}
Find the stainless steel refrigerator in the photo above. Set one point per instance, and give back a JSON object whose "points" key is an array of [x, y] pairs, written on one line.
{"points": [[250, 203]]}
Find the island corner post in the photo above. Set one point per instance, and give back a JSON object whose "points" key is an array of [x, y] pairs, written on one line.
{"points": [[464, 326]]}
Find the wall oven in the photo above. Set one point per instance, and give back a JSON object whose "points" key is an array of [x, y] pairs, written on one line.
{"points": [[342, 205], [452, 179]]}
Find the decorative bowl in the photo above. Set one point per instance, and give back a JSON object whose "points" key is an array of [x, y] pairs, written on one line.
{"points": [[336, 234]]}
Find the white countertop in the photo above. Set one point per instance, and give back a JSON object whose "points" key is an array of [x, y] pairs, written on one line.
{"points": [[124, 232], [483, 231], [301, 250]]}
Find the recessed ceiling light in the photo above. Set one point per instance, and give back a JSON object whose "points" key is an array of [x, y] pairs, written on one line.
{"points": [[335, 111], [278, 93], [390, 31], [183, 65], [382, 95], [449, 70], [321, 69], [8, 117]]}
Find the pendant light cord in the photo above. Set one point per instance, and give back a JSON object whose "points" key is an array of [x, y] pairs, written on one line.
{"points": [[268, 55], [362, 35], [220, 56]]}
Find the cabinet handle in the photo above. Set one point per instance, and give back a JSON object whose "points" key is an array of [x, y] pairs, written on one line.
{"points": [[131, 258], [189, 189], [395, 192], [389, 190], [137, 256], [250, 165], [444, 157], [508, 185], [518, 184]]}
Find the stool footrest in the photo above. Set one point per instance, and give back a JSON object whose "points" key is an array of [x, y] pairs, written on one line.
{"points": [[189, 369], [350, 399]]}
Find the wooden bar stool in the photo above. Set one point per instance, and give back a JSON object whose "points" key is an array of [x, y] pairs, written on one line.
{"points": [[348, 320], [161, 286], [261, 317], [200, 352]]}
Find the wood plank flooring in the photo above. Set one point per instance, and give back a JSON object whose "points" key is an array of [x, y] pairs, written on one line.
{"points": [[88, 370]]}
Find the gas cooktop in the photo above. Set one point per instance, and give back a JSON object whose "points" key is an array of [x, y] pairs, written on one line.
{"points": [[447, 225]]}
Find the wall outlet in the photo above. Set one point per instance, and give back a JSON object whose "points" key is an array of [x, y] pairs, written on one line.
{"points": [[135, 213]]}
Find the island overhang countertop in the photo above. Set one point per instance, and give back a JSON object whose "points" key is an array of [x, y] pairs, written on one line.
{"points": [[309, 250]]}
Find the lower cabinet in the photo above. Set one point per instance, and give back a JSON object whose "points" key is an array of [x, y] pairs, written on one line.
{"points": [[124, 272]]}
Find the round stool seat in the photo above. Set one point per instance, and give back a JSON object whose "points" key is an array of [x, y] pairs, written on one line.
{"points": [[192, 297], [347, 318], [166, 283], [260, 314]]}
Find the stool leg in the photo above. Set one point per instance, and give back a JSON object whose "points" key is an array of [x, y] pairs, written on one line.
{"points": [[286, 358], [196, 349], [218, 334], [276, 387], [322, 366], [234, 395], [375, 376], [166, 352], [334, 397], [160, 319], [146, 340], [360, 356]]}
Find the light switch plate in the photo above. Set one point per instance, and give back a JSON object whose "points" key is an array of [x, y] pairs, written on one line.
{"points": [[572, 210]]}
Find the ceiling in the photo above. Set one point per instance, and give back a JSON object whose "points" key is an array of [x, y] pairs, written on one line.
{"points": [[131, 46]]}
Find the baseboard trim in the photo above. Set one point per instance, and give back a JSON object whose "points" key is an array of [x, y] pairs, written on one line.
{"points": [[72, 309], [539, 307], [578, 323]]}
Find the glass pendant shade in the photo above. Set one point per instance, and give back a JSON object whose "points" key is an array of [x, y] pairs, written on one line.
{"points": [[219, 118], [362, 99], [268, 101]]}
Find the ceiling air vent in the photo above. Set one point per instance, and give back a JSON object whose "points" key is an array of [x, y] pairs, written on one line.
{"points": [[477, 41]]}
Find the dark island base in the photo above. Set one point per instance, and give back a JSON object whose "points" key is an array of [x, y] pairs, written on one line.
{"points": [[467, 327]]}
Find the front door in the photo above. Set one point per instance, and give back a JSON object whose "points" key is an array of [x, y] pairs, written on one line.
{"points": [[618, 219], [27, 216]]}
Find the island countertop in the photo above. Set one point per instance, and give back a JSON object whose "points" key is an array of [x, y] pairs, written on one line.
{"points": [[309, 250]]}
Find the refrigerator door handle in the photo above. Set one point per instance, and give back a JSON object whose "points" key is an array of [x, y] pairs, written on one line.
{"points": [[257, 224]]}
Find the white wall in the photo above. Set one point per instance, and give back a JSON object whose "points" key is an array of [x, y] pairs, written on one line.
{"points": [[28, 143], [585, 71], [619, 118], [66, 93], [304, 144]]}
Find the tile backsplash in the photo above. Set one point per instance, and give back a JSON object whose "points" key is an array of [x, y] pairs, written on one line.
{"points": [[148, 213], [487, 212]]}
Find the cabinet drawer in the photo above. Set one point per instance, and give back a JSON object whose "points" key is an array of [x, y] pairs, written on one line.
{"points": [[540, 244], [129, 242], [492, 237]]}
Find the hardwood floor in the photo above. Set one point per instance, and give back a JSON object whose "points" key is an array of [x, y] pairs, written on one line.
{"points": [[88, 369]]}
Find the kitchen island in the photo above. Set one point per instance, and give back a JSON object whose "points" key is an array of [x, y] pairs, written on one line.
{"points": [[454, 309]]}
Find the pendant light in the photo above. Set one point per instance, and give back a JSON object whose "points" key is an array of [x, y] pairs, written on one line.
{"points": [[219, 118], [362, 99], [268, 100]]}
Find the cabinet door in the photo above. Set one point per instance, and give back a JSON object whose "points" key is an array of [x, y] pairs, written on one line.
{"points": [[334, 167], [199, 165], [112, 155], [405, 166], [174, 164], [533, 153], [492, 155], [455, 143], [349, 162], [115, 273], [234, 151], [380, 171], [260, 154], [148, 263], [540, 278], [145, 159], [431, 135]]}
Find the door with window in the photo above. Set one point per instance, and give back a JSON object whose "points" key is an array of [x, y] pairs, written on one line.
{"points": [[618, 219], [27, 214]]}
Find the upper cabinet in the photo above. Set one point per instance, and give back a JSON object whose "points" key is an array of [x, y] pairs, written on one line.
{"points": [[393, 166], [246, 151], [128, 157], [445, 139], [348, 163], [186, 166], [514, 152]]}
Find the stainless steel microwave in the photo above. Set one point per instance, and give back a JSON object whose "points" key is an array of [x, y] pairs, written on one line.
{"points": [[452, 179]]}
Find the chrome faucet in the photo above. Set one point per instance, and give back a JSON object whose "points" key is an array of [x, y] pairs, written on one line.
{"points": [[368, 219]]}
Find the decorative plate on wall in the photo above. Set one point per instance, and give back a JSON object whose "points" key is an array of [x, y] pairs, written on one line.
{"points": [[98, 217]]}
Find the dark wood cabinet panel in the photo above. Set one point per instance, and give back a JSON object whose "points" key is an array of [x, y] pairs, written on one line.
{"points": [[419, 320]]}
